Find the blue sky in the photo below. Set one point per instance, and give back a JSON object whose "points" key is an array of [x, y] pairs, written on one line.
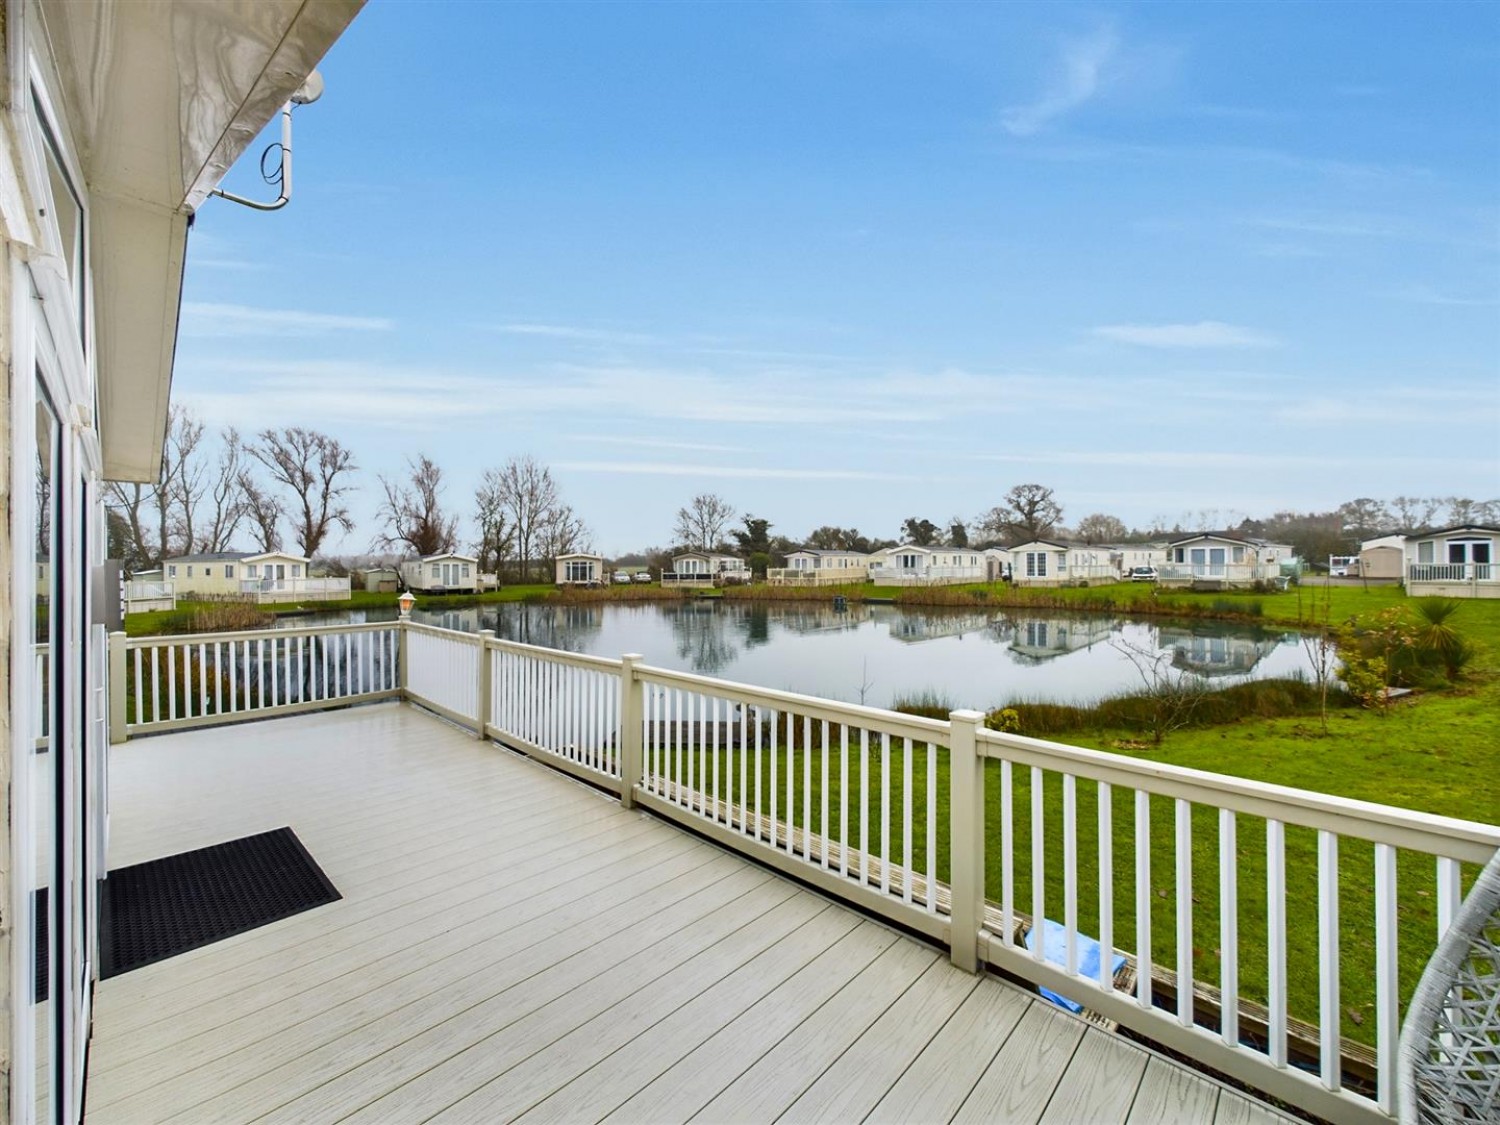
{"points": [[847, 263]]}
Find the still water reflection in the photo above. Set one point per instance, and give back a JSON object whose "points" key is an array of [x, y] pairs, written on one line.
{"points": [[876, 654]]}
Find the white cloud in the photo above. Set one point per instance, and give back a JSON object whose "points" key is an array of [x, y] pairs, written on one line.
{"points": [[1079, 77], [657, 443], [572, 332], [737, 472], [202, 318], [1204, 334]]}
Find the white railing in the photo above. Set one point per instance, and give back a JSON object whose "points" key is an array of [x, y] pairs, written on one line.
{"points": [[559, 706], [305, 589], [1225, 572], [1451, 572], [1250, 919], [177, 682], [1327, 888], [137, 590], [819, 576], [442, 669], [917, 576]]}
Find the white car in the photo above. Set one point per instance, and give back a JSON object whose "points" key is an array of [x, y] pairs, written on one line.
{"points": [[643, 576], [622, 578]]}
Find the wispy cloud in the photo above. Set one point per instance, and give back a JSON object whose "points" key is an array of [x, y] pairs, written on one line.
{"points": [[1204, 334], [201, 318], [1426, 295], [575, 333], [1079, 75], [737, 472], [657, 443]]}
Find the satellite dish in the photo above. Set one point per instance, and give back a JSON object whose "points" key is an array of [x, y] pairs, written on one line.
{"points": [[310, 91]]}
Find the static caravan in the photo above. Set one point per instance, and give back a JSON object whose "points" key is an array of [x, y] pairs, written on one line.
{"points": [[580, 569], [447, 573], [1454, 562], [120, 121]]}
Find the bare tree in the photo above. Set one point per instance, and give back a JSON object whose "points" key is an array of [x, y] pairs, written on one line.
{"points": [[1363, 516], [263, 511], [496, 535], [315, 469], [225, 498], [527, 495], [1171, 700], [562, 533], [1029, 512], [413, 511], [183, 474], [702, 523], [1415, 513], [134, 504], [1101, 528]]}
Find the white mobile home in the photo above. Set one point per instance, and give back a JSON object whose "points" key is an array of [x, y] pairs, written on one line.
{"points": [[1454, 562], [120, 119], [268, 576], [1222, 561], [808, 567], [580, 569], [910, 565], [446, 573], [1055, 562], [706, 568], [1383, 557]]}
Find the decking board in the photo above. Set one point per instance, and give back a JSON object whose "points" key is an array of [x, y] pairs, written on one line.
{"points": [[511, 943]]}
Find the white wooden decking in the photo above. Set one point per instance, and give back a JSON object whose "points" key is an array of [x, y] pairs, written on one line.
{"points": [[512, 945]]}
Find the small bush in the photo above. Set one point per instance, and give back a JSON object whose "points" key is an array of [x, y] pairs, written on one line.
{"points": [[929, 703]]}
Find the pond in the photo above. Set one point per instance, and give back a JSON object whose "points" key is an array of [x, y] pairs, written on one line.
{"points": [[878, 654]]}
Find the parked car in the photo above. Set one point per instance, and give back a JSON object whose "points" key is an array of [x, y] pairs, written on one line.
{"points": [[622, 578], [1142, 574], [643, 576]]}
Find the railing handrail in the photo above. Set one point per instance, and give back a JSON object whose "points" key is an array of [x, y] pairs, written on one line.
{"points": [[1471, 841], [167, 639]]}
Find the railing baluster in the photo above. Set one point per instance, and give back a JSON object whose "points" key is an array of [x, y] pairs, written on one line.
{"points": [[844, 799], [1070, 873], [931, 812], [759, 754], [1449, 893], [807, 833], [1229, 931], [1038, 868], [1328, 959], [744, 801], [775, 755], [885, 812], [823, 821], [1276, 940], [1105, 796], [1387, 978], [1007, 854], [1143, 962], [791, 782], [864, 805], [906, 821], [713, 732], [156, 685], [1184, 859]]}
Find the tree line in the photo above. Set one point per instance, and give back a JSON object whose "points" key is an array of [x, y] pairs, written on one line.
{"points": [[289, 488]]}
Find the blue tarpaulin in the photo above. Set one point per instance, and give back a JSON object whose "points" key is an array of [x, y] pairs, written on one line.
{"points": [[1055, 949]]}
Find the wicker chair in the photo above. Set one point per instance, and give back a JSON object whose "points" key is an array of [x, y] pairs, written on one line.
{"points": [[1449, 1061]]}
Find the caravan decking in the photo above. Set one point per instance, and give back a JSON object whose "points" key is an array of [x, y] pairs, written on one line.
{"points": [[512, 943]]}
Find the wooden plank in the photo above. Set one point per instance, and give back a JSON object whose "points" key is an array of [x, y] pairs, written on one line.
{"points": [[937, 1082], [1100, 1083], [549, 1066], [1234, 1109], [248, 1047], [863, 1074], [614, 1079], [692, 1082], [1170, 1095], [1018, 1083], [778, 1078], [510, 1005]]}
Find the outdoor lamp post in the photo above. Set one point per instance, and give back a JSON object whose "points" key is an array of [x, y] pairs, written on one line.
{"points": [[406, 601]]}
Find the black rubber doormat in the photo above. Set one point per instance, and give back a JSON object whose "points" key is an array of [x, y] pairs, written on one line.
{"points": [[156, 910]]}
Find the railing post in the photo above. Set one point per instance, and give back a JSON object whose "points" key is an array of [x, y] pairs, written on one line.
{"points": [[117, 731], [632, 751], [401, 651], [966, 840], [482, 685]]}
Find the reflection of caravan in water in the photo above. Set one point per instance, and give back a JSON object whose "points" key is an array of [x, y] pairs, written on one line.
{"points": [[1042, 638], [911, 628], [1211, 654]]}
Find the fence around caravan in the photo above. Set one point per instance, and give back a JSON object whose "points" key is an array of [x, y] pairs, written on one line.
{"points": [[1239, 923]]}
